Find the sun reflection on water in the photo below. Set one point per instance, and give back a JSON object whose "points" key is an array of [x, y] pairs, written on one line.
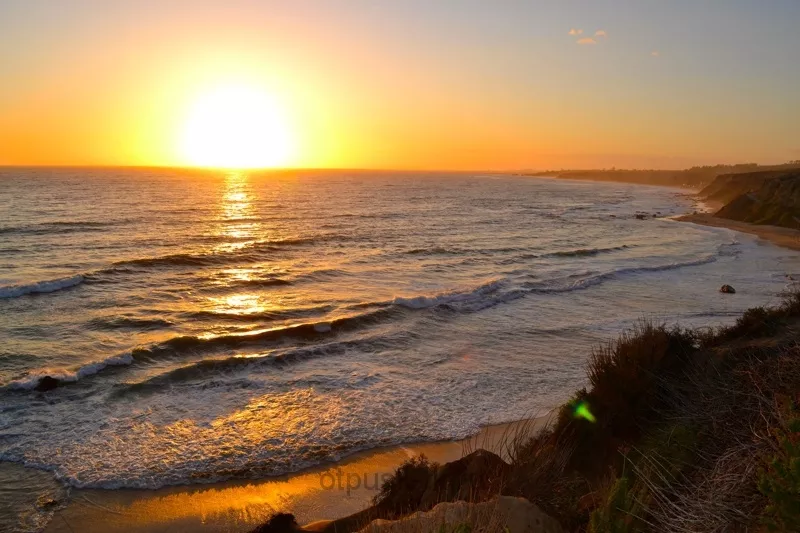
{"points": [[237, 216]]}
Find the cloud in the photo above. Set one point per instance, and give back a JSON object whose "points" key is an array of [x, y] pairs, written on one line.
{"points": [[574, 31], [655, 53], [600, 33], [587, 40]]}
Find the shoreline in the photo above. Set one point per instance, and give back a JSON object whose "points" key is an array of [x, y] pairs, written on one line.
{"points": [[321, 493], [783, 237]]}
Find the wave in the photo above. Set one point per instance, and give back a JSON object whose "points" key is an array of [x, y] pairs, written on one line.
{"points": [[451, 297], [305, 331], [434, 250], [586, 252], [256, 283], [122, 322], [598, 278], [40, 287], [57, 227], [200, 370], [283, 314], [250, 252], [198, 344], [185, 259], [61, 375], [485, 295]]}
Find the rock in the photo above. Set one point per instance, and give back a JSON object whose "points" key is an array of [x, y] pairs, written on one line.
{"points": [[45, 502], [727, 289], [640, 216], [502, 514], [46, 383], [475, 477]]}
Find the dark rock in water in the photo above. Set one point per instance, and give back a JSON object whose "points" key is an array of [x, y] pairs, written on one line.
{"points": [[640, 216], [279, 523], [46, 383], [727, 289], [45, 502]]}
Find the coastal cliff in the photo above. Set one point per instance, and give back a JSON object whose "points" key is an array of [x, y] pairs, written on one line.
{"points": [[775, 201], [728, 187]]}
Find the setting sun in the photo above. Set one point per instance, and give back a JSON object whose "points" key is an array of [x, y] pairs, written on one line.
{"points": [[236, 127]]}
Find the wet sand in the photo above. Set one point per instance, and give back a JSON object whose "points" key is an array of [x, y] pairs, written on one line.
{"points": [[322, 493], [786, 237]]}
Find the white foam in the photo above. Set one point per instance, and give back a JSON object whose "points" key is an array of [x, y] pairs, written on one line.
{"points": [[38, 287], [424, 302], [600, 278], [30, 381]]}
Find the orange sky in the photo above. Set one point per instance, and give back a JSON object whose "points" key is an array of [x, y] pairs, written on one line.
{"points": [[390, 85]]}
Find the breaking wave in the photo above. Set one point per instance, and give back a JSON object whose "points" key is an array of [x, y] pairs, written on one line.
{"points": [[586, 252], [40, 287], [32, 380], [305, 331], [580, 282], [451, 297]]}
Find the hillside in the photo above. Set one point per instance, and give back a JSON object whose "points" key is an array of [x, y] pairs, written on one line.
{"points": [[727, 187], [771, 198]]}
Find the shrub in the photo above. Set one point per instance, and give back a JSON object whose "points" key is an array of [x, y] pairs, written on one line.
{"points": [[629, 377], [780, 482], [404, 490]]}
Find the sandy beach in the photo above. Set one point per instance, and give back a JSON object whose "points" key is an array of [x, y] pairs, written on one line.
{"points": [[785, 237], [322, 493]]}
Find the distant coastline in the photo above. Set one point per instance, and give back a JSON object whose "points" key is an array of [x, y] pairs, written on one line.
{"points": [[692, 178]]}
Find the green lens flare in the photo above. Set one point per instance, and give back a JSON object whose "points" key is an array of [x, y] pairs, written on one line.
{"points": [[582, 411]]}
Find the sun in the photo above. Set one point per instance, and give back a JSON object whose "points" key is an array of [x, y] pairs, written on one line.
{"points": [[236, 126]]}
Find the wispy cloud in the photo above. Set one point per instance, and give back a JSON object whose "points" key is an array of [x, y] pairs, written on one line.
{"points": [[587, 40], [655, 53], [575, 31], [600, 33]]}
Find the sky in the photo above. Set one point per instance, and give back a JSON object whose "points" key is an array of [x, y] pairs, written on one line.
{"points": [[412, 84]]}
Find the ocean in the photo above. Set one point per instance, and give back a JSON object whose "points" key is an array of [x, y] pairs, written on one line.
{"points": [[207, 325]]}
